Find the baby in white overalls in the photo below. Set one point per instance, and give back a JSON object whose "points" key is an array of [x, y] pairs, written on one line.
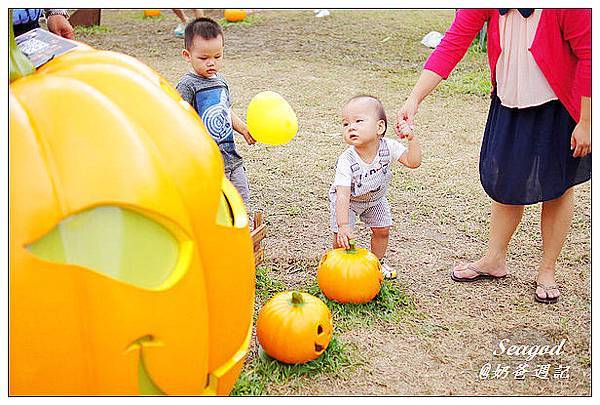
{"points": [[363, 173]]}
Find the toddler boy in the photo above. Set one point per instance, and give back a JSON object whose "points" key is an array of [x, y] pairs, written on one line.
{"points": [[208, 93]]}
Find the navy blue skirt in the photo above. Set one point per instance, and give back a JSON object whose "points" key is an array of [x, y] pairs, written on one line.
{"points": [[526, 154]]}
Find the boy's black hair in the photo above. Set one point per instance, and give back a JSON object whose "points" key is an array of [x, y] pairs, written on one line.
{"points": [[204, 27], [379, 108]]}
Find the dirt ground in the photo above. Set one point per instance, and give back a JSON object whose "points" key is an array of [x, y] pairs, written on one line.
{"points": [[440, 210]]}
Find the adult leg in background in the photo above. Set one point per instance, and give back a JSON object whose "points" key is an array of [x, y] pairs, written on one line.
{"points": [[557, 215], [503, 223]]}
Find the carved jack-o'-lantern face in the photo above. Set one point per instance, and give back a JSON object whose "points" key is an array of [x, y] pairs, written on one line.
{"points": [[124, 237], [294, 327]]}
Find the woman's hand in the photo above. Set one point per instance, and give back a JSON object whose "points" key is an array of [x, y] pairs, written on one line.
{"points": [[408, 111], [404, 130], [581, 139], [425, 85]]}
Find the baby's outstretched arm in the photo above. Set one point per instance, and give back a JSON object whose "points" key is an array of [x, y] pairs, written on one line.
{"points": [[342, 210], [412, 157]]}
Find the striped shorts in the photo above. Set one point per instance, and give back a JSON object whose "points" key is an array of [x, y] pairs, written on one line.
{"points": [[374, 214]]}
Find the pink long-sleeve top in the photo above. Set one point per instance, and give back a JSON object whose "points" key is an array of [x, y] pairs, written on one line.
{"points": [[561, 48]]}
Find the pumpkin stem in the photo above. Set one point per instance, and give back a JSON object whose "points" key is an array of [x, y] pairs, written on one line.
{"points": [[18, 64], [352, 249], [297, 298]]}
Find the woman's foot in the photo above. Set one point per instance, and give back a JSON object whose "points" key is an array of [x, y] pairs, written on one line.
{"points": [[481, 269], [546, 290]]}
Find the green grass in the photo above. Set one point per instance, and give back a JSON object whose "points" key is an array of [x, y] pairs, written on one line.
{"points": [[471, 76], [262, 370], [266, 286], [475, 83], [141, 16], [91, 30], [249, 20], [391, 305], [294, 211]]}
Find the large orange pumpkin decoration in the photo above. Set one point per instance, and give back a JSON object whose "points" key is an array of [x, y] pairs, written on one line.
{"points": [[294, 327], [234, 15], [124, 236], [350, 275]]}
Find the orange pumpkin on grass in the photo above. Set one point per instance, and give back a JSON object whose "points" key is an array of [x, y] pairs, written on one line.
{"points": [[350, 275], [234, 15], [294, 327], [151, 12]]}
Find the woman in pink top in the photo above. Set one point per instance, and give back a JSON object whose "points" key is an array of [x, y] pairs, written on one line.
{"points": [[537, 140]]}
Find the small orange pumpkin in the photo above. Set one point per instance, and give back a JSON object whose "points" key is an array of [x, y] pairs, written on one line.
{"points": [[294, 327], [151, 12], [350, 275], [234, 15]]}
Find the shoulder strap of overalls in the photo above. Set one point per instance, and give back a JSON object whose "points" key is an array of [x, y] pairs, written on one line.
{"points": [[384, 156]]}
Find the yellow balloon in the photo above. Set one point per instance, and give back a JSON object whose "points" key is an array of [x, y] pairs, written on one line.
{"points": [[271, 120]]}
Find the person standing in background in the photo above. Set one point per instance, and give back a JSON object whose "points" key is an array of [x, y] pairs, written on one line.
{"points": [[537, 141], [184, 20], [57, 20]]}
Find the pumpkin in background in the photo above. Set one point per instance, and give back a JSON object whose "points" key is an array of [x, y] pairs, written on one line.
{"points": [[294, 327], [350, 275], [124, 236], [151, 12], [234, 15]]}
